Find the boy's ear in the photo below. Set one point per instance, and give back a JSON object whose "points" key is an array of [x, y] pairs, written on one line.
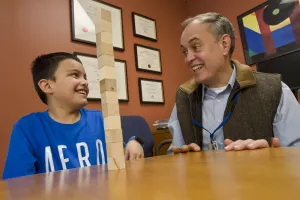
{"points": [[45, 86]]}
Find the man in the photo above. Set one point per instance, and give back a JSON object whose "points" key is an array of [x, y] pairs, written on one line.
{"points": [[226, 105]]}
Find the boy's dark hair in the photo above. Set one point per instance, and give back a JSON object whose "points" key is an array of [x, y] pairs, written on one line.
{"points": [[45, 66]]}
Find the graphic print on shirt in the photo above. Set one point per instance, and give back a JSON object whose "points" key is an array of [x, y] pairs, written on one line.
{"points": [[83, 155]]}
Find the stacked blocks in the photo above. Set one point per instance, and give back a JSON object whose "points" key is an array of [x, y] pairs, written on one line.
{"points": [[108, 90]]}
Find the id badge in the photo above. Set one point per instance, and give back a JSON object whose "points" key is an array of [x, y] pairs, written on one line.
{"points": [[213, 145]]}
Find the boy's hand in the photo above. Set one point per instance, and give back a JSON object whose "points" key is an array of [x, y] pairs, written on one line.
{"points": [[186, 148], [134, 151], [249, 144]]}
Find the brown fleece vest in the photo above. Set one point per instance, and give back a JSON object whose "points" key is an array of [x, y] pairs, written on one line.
{"points": [[253, 115]]}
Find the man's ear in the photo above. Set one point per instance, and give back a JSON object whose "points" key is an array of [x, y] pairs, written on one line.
{"points": [[226, 43], [45, 86]]}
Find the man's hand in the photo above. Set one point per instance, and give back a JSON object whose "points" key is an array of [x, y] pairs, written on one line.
{"points": [[186, 148], [134, 151], [249, 144]]}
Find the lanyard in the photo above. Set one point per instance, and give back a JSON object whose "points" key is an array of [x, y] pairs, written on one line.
{"points": [[212, 134]]}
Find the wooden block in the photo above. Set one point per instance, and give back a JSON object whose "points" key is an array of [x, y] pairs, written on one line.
{"points": [[106, 60], [107, 73], [108, 90], [103, 26], [108, 85], [105, 15], [103, 21], [110, 109], [109, 96], [111, 164], [115, 149], [112, 123], [114, 135], [104, 37], [104, 48], [116, 163]]}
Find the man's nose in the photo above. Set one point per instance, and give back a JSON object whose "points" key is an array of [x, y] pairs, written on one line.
{"points": [[190, 57]]}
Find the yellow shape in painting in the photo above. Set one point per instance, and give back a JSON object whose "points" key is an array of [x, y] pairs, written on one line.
{"points": [[287, 21], [250, 21]]}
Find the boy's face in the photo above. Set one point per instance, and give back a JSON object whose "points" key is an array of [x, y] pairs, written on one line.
{"points": [[70, 87]]}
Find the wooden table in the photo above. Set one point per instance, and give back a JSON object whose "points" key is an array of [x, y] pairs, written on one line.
{"points": [[260, 174]]}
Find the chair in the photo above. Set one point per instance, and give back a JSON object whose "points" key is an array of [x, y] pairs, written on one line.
{"points": [[161, 144], [137, 126]]}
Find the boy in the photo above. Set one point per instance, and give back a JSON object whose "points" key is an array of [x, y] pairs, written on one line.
{"points": [[66, 135]]}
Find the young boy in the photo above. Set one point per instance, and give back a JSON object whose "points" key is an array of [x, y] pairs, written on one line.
{"points": [[66, 135]]}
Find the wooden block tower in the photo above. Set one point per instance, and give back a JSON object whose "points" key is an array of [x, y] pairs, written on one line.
{"points": [[108, 90]]}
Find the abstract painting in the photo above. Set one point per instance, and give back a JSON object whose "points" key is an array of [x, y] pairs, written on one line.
{"points": [[270, 30]]}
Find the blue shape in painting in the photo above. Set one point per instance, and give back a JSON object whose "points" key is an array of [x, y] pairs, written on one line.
{"points": [[283, 36], [254, 41]]}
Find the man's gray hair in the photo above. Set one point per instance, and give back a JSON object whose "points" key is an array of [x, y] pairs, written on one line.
{"points": [[219, 25]]}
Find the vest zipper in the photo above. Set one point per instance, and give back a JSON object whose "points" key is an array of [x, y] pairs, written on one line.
{"points": [[191, 112], [231, 98], [229, 101]]}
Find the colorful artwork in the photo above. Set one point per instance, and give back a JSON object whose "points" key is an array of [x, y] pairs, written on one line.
{"points": [[269, 30]]}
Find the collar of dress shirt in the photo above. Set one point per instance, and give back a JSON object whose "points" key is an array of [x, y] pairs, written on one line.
{"points": [[229, 84]]}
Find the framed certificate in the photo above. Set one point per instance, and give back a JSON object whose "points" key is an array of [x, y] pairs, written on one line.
{"points": [[144, 27], [83, 17], [151, 91], [147, 59], [90, 64]]}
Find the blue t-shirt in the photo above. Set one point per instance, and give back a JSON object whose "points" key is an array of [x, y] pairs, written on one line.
{"points": [[39, 144]]}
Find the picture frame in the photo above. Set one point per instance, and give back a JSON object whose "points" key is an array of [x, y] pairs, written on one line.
{"points": [[151, 91], [90, 64], [269, 30], [147, 59], [144, 27], [83, 13]]}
